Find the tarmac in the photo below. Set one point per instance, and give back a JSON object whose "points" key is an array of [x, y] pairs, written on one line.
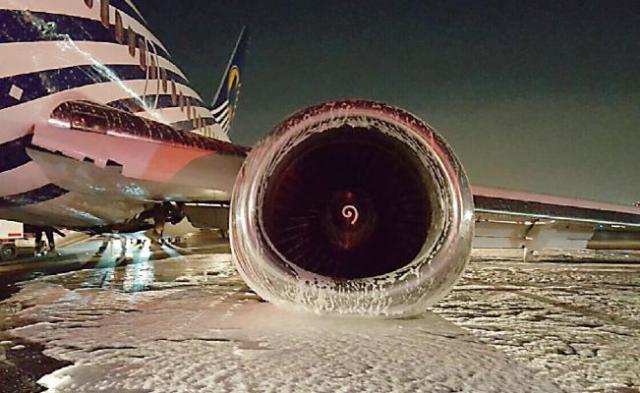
{"points": [[139, 317]]}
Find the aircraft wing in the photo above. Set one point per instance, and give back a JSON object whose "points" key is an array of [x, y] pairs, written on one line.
{"points": [[510, 219], [98, 150], [531, 206]]}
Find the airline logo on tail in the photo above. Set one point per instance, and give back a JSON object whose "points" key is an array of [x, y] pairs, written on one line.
{"points": [[226, 102]]}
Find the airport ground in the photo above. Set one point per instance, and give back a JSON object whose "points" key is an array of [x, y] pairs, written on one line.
{"points": [[106, 315]]}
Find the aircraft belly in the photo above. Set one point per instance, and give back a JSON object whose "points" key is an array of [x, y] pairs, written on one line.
{"points": [[109, 182], [74, 210]]}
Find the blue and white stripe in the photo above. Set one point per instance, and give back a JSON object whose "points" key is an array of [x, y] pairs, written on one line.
{"points": [[78, 10], [221, 115], [56, 51], [58, 80]]}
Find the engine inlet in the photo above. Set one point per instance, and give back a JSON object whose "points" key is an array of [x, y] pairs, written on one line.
{"points": [[352, 207], [348, 203]]}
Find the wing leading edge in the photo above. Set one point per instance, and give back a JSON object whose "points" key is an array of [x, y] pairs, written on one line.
{"points": [[538, 206], [535, 222]]}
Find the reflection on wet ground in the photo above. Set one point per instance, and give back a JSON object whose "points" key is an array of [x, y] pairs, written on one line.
{"points": [[138, 268], [575, 324], [128, 264]]}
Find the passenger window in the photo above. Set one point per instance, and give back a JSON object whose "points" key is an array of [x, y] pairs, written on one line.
{"points": [[142, 45], [119, 28], [174, 95], [131, 39], [163, 76], [152, 69], [181, 99], [104, 13]]}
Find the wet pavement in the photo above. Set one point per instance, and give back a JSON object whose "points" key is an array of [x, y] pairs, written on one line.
{"points": [[108, 262], [95, 262], [579, 323], [573, 326]]}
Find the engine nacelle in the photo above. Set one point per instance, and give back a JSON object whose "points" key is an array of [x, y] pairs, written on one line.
{"points": [[352, 207]]}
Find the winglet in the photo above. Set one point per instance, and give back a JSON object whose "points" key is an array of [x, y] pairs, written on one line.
{"points": [[226, 101]]}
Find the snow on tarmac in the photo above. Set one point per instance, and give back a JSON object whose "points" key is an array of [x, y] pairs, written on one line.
{"points": [[208, 332], [580, 322]]}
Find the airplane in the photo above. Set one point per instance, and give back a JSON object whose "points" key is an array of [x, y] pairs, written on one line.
{"points": [[346, 207]]}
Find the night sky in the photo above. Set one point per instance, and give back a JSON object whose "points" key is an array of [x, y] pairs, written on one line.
{"points": [[542, 98]]}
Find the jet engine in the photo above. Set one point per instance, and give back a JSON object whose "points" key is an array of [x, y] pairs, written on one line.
{"points": [[353, 208]]}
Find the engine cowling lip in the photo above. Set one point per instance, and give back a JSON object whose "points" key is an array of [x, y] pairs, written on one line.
{"points": [[456, 238], [428, 246]]}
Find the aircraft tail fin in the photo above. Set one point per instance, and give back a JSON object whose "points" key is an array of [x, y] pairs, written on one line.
{"points": [[226, 101]]}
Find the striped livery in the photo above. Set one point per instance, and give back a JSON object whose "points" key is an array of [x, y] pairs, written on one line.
{"points": [[100, 51], [226, 102]]}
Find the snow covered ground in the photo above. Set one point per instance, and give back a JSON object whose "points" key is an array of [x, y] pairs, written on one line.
{"points": [[187, 323], [578, 322]]}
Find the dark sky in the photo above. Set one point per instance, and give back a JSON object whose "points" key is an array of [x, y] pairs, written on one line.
{"points": [[541, 97]]}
